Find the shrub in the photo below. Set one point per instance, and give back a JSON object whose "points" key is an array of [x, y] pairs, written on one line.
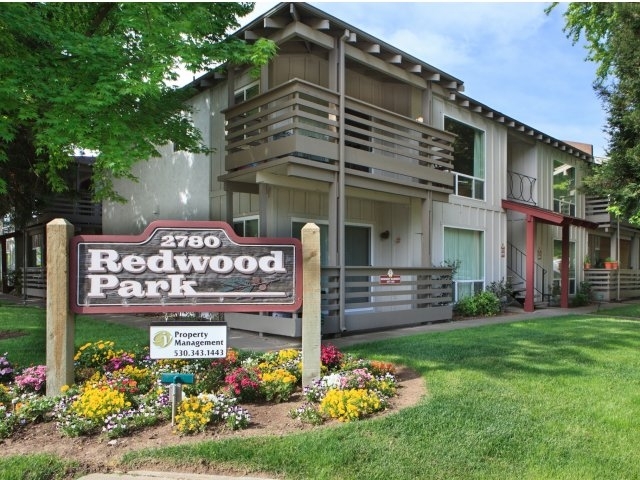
{"points": [[6, 369], [98, 401], [307, 413], [34, 408], [351, 404], [278, 385], [32, 379], [381, 368], [330, 356], [5, 397], [95, 355], [484, 304], [8, 422], [583, 296], [194, 414], [244, 384]]}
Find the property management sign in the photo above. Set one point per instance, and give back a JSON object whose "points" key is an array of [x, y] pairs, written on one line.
{"points": [[178, 266]]}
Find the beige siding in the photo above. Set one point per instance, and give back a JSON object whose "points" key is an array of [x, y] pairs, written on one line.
{"points": [[305, 67], [174, 186], [218, 99]]}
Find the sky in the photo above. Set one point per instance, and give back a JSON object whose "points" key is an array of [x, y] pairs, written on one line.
{"points": [[511, 57]]}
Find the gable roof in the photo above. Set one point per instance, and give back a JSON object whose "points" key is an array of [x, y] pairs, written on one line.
{"points": [[313, 26]]}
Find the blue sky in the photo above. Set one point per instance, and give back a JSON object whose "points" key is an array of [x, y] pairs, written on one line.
{"points": [[510, 56]]}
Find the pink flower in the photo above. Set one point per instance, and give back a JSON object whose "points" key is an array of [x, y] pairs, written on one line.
{"points": [[32, 378]]}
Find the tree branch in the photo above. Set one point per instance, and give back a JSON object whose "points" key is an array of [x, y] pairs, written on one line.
{"points": [[101, 14]]}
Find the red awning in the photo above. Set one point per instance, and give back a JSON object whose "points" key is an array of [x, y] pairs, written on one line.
{"points": [[547, 216]]}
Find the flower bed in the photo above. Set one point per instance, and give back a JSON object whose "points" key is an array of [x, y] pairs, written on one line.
{"points": [[118, 392]]}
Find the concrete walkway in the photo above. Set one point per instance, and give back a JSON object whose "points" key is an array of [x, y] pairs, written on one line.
{"points": [[256, 342]]}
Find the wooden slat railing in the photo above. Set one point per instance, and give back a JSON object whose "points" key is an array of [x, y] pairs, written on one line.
{"points": [[299, 120], [605, 286]]}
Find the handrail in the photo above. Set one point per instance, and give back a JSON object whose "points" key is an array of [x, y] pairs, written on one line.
{"points": [[516, 263]]}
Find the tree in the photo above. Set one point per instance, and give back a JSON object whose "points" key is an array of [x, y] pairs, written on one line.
{"points": [[97, 77], [612, 33]]}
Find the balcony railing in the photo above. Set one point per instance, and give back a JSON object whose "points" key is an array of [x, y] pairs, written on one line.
{"points": [[79, 209], [596, 210], [521, 187], [422, 295], [608, 285], [299, 122]]}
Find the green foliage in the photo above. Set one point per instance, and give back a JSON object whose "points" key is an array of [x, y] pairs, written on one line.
{"points": [[583, 296], [36, 467], [612, 41], [484, 304], [96, 77]]}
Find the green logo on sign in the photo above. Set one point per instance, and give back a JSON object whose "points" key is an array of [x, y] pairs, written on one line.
{"points": [[162, 339]]}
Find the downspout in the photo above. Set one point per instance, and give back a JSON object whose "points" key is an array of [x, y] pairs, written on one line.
{"points": [[341, 181], [618, 255]]}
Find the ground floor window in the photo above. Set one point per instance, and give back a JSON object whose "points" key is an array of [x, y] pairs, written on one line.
{"points": [[557, 260], [465, 248], [247, 227]]}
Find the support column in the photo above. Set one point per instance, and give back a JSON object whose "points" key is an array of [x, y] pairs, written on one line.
{"points": [[263, 195], [60, 319], [229, 204], [531, 266], [564, 268], [425, 246]]}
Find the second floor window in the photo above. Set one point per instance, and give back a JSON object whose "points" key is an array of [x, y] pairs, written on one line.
{"points": [[246, 92], [468, 159], [564, 189]]}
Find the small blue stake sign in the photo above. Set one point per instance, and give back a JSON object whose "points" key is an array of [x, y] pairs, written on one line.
{"points": [[187, 340]]}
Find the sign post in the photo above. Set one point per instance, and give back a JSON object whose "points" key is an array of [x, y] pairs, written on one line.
{"points": [[311, 319], [60, 319]]}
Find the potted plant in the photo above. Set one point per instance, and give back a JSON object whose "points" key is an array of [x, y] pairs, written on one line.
{"points": [[587, 262], [610, 263]]}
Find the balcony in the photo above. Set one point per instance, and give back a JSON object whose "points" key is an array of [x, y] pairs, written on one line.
{"points": [[421, 295], [294, 130], [79, 209], [596, 211]]}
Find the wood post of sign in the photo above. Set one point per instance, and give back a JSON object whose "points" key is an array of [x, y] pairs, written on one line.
{"points": [[60, 319], [311, 324]]}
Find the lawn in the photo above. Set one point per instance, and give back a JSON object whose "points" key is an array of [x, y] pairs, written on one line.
{"points": [[555, 398], [28, 330]]}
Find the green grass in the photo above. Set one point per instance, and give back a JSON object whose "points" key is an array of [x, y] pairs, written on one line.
{"points": [[551, 399], [555, 398], [631, 310], [35, 467], [29, 347]]}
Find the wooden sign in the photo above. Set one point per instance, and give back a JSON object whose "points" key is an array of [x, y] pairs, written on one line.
{"points": [[188, 340], [177, 266], [389, 278]]}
